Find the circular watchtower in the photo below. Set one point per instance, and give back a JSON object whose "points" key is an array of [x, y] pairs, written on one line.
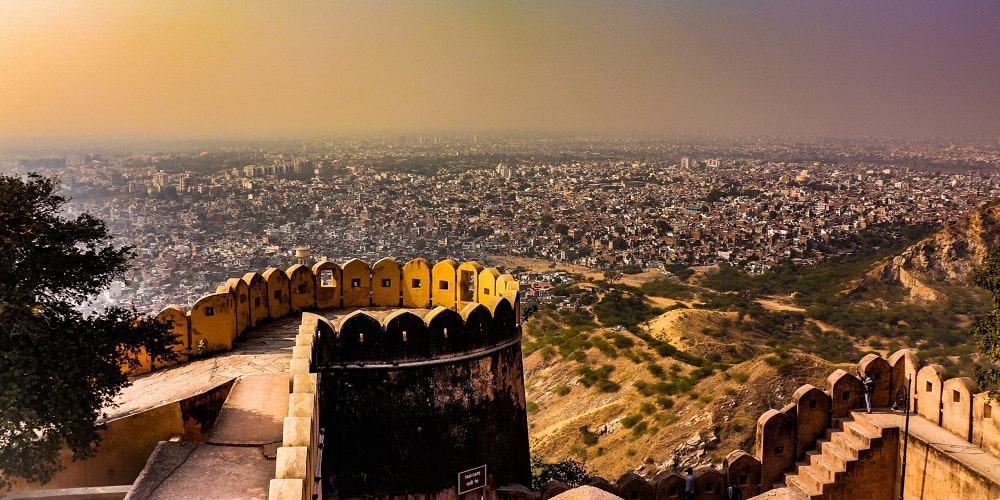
{"points": [[409, 398]]}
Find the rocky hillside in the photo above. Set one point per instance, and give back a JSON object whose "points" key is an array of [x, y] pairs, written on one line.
{"points": [[948, 255]]}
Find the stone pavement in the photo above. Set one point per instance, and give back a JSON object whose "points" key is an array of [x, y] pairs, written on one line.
{"points": [[237, 461], [266, 349]]}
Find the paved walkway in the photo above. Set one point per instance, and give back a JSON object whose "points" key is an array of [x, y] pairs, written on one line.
{"points": [[266, 349], [237, 461]]}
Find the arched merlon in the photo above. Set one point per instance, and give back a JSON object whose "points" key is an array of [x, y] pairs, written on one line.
{"points": [[256, 297], [402, 335]]}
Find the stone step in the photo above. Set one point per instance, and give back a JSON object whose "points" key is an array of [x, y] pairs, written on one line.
{"points": [[850, 443], [837, 455], [861, 432], [814, 478], [828, 466], [795, 483]]}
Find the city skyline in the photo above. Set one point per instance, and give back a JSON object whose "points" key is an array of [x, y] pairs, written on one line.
{"points": [[78, 71]]}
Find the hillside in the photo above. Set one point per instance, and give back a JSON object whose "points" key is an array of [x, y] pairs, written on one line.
{"points": [[947, 256], [661, 373]]}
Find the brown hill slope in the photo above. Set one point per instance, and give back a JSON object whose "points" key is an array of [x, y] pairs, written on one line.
{"points": [[655, 412], [948, 255]]}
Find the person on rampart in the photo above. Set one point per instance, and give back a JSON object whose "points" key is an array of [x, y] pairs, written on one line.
{"points": [[689, 485], [733, 492], [869, 388]]}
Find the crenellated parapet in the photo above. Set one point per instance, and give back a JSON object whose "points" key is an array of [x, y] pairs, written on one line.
{"points": [[787, 437], [467, 290]]}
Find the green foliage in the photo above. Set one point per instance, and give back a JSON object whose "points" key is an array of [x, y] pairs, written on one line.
{"points": [[667, 288], [624, 308], [546, 333], [59, 367], [591, 377], [739, 377], [562, 390], [629, 421], [589, 438], [639, 429], [665, 402], [986, 330], [570, 472]]}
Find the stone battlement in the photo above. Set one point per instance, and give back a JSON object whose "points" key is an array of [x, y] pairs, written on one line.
{"points": [[467, 292]]}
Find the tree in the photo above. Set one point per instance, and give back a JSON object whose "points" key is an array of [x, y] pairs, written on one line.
{"points": [[59, 367], [986, 330]]}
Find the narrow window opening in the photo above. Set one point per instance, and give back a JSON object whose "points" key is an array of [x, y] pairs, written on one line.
{"points": [[415, 283], [812, 404], [404, 335], [386, 283], [742, 479], [209, 311], [928, 387], [361, 338], [256, 301], [467, 282], [355, 282], [277, 294], [486, 291], [445, 333], [779, 451], [302, 288], [845, 396], [987, 410], [956, 397], [443, 285], [326, 277], [709, 487]]}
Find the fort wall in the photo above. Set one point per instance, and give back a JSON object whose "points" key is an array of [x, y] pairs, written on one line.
{"points": [[786, 436], [217, 319]]}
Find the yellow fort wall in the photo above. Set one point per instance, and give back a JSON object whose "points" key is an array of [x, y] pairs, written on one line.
{"points": [[417, 284], [256, 298], [277, 293], [357, 283], [302, 288], [240, 292], [213, 323], [329, 277], [386, 286], [443, 283]]}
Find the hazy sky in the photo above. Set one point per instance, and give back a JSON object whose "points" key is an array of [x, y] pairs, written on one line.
{"points": [[175, 69]]}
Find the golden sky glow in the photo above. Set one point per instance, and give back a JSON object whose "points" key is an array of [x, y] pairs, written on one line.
{"points": [[166, 69]]}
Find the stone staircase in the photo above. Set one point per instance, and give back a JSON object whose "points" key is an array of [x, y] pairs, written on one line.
{"points": [[825, 470]]}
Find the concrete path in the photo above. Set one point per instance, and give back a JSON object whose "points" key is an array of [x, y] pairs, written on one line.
{"points": [[267, 349], [253, 413]]}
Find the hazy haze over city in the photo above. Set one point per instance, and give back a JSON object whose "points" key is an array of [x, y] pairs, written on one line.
{"points": [[87, 70]]}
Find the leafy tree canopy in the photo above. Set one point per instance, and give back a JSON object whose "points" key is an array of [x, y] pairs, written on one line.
{"points": [[987, 329], [59, 367]]}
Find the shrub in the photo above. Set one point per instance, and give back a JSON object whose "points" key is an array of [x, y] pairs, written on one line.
{"points": [[562, 390], [629, 421]]}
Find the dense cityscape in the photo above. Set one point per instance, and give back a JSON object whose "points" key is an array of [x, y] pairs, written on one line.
{"points": [[200, 216]]}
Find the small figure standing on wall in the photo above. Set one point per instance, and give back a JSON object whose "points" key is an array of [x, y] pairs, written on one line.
{"points": [[689, 485], [869, 389], [733, 492]]}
